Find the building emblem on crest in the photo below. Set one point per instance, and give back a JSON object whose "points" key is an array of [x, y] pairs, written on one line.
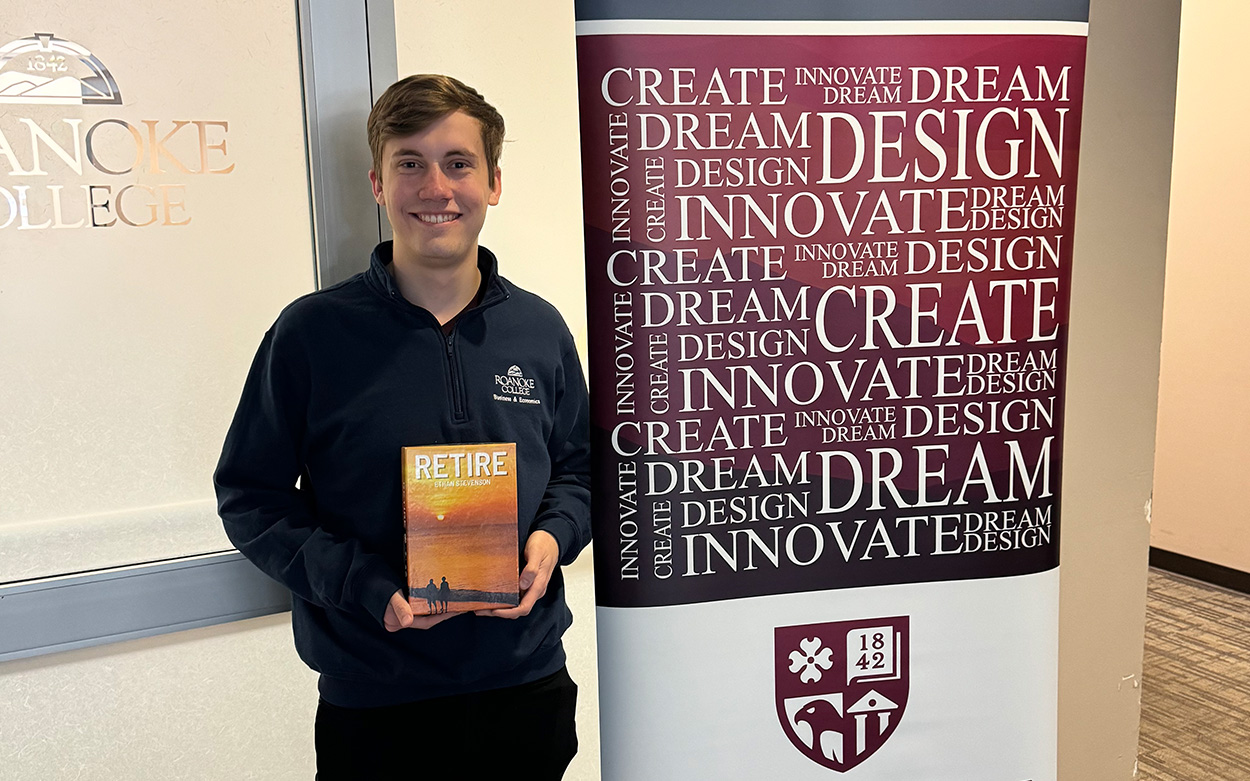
{"points": [[841, 687], [43, 69]]}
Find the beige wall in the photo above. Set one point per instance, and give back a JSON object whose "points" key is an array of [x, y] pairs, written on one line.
{"points": [[1117, 289], [1204, 387], [524, 64]]}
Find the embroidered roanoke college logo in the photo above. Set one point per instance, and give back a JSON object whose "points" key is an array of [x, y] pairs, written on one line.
{"points": [[44, 69], [841, 687], [514, 387]]}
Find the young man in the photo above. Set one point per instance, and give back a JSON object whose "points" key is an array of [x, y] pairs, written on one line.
{"points": [[410, 353]]}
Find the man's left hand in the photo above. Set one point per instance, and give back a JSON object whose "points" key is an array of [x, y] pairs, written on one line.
{"points": [[542, 554]]}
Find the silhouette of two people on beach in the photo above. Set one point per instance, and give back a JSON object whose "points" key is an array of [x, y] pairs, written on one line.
{"points": [[437, 596]]}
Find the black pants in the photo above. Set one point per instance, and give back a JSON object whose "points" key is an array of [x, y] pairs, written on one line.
{"points": [[522, 732]]}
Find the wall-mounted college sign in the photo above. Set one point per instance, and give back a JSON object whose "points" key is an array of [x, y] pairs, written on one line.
{"points": [[828, 256], [154, 218], [100, 173]]}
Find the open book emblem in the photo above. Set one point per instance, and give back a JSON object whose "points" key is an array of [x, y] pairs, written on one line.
{"points": [[841, 687]]}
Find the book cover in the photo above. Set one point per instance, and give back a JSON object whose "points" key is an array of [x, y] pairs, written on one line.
{"points": [[460, 518]]}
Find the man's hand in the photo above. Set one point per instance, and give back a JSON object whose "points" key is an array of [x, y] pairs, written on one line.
{"points": [[399, 615], [542, 554]]}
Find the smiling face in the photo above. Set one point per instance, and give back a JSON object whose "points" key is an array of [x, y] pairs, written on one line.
{"points": [[436, 186]]}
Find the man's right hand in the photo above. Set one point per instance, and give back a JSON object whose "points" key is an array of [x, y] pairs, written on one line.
{"points": [[399, 616]]}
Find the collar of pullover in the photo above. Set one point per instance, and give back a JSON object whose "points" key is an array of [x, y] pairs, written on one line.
{"points": [[382, 283]]}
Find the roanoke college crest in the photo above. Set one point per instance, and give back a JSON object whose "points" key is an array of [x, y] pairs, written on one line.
{"points": [[45, 69], [841, 687]]}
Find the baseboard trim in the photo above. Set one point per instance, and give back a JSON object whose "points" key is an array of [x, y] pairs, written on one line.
{"points": [[1215, 574]]}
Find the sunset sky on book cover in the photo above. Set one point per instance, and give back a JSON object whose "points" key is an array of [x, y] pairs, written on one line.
{"points": [[460, 515]]}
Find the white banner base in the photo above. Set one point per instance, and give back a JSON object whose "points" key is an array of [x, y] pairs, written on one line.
{"points": [[983, 683]]}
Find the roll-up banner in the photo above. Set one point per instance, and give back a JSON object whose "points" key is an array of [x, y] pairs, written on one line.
{"points": [[828, 254]]}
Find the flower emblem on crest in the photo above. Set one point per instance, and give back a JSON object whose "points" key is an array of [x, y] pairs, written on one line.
{"points": [[810, 659], [842, 693]]}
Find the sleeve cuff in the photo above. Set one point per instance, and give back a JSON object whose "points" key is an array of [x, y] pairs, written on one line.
{"points": [[377, 583], [566, 536]]}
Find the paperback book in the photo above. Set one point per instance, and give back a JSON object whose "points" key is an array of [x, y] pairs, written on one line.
{"points": [[460, 518]]}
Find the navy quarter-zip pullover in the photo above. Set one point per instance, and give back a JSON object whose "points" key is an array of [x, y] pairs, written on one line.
{"points": [[309, 481]]}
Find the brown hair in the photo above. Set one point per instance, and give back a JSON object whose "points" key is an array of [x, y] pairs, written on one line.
{"points": [[412, 104]]}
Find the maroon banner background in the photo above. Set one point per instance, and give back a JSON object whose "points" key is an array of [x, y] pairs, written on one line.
{"points": [[828, 301]]}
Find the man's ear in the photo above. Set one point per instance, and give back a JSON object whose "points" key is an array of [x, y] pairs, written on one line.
{"points": [[376, 182], [497, 189]]}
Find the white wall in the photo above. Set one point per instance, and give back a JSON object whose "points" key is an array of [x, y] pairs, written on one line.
{"points": [[227, 702]]}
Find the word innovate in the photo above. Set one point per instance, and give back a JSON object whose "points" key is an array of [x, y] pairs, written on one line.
{"points": [[910, 536]]}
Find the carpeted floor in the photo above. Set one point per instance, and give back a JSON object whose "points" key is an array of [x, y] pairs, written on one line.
{"points": [[1195, 720]]}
